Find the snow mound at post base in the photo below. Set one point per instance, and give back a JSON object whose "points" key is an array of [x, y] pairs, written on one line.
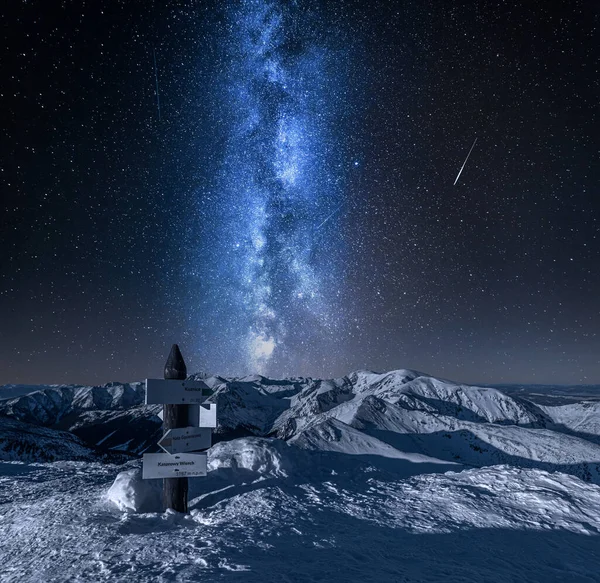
{"points": [[130, 493], [233, 462]]}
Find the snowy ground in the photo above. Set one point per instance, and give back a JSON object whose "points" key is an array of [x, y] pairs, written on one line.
{"points": [[396, 477], [282, 514]]}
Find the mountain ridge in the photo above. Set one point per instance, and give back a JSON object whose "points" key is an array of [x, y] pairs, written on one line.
{"points": [[396, 414]]}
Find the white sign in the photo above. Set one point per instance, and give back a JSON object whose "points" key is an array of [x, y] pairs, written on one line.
{"points": [[169, 392], [181, 465], [185, 439], [208, 415]]}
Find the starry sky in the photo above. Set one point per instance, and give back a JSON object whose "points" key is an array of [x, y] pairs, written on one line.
{"points": [[285, 203]]}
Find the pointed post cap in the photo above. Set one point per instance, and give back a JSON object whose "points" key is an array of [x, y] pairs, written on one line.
{"points": [[175, 368]]}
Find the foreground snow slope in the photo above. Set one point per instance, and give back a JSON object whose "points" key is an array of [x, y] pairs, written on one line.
{"points": [[269, 511]]}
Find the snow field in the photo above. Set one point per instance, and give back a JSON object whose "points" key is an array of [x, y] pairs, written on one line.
{"points": [[269, 511]]}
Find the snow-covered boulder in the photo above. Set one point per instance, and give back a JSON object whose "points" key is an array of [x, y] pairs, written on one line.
{"points": [[129, 492]]}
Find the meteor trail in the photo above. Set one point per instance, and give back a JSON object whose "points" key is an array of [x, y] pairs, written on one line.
{"points": [[461, 168], [333, 213], [156, 79]]}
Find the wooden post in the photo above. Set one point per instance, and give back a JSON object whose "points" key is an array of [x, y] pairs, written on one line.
{"points": [[175, 490]]}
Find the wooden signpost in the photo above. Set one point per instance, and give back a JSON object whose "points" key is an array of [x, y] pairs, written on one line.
{"points": [[187, 428]]}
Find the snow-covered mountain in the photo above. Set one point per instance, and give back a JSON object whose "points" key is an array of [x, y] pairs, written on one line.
{"points": [[31, 443], [109, 418], [48, 404], [396, 414], [263, 406]]}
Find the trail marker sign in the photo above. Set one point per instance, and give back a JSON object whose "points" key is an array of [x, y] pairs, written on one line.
{"points": [[164, 465], [208, 415], [186, 439], [174, 392]]}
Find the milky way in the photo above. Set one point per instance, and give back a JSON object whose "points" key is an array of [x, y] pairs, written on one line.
{"points": [[280, 185]]}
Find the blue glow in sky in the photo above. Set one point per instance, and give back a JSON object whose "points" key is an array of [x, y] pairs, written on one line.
{"points": [[279, 189]]}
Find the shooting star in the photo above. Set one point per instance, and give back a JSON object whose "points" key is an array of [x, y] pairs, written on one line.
{"points": [[333, 213], [461, 168], [156, 79]]}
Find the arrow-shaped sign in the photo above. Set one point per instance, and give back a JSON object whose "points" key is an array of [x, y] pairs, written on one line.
{"points": [[169, 392], [185, 439]]}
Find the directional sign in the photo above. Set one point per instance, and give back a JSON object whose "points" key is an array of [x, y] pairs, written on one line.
{"points": [[208, 415], [186, 439], [181, 465], [169, 392]]}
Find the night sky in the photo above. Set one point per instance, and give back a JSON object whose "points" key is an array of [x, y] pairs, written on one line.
{"points": [[287, 205]]}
